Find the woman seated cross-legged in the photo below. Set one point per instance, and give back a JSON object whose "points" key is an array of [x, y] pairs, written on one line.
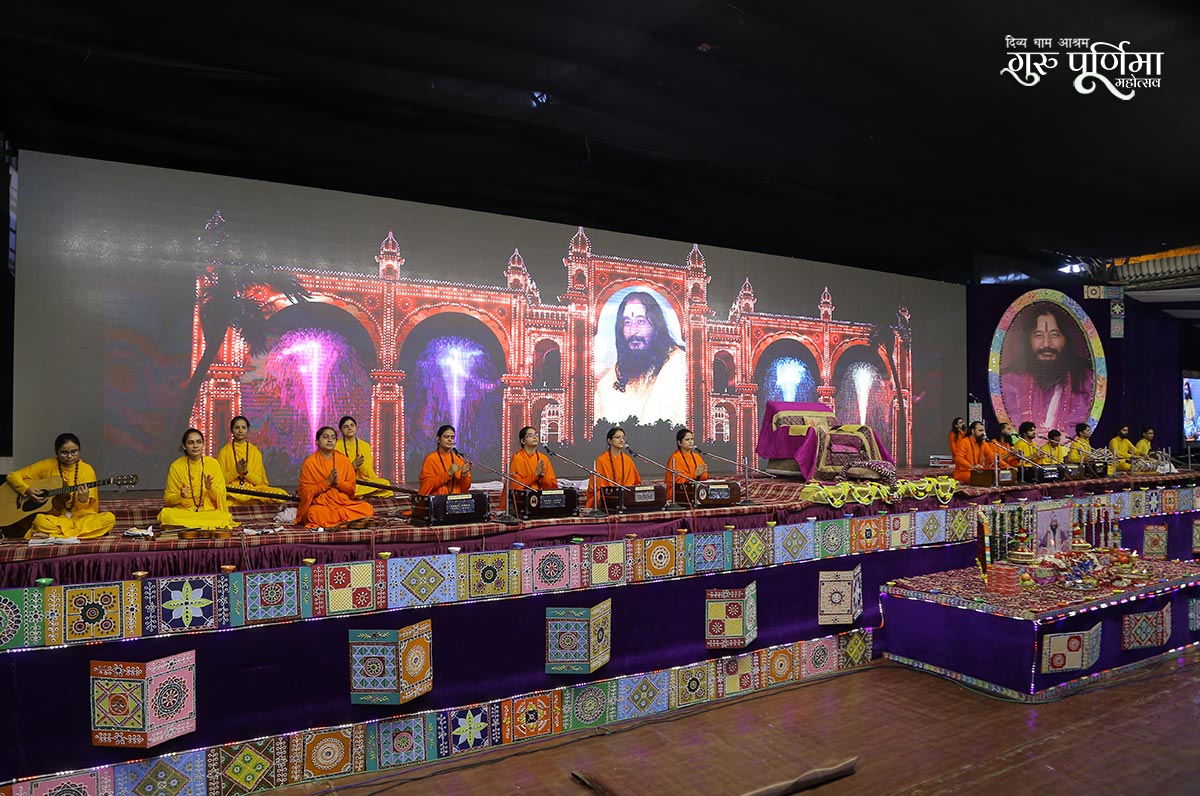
{"points": [[327, 484]]}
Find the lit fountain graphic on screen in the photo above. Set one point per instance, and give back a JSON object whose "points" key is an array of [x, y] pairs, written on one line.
{"points": [[304, 366], [456, 382], [863, 376], [789, 380], [456, 361]]}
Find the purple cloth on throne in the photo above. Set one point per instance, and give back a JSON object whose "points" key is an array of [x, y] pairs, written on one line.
{"points": [[776, 443], [1024, 399], [806, 455]]}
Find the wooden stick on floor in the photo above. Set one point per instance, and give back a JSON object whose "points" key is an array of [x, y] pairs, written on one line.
{"points": [[807, 780]]}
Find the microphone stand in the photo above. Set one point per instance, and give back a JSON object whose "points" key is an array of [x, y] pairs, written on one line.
{"points": [[672, 506], [594, 512], [745, 501], [504, 518]]}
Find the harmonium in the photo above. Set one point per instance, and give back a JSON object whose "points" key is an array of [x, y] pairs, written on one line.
{"points": [[536, 504], [632, 498], [1041, 473], [708, 494], [1002, 477], [459, 509], [1084, 470]]}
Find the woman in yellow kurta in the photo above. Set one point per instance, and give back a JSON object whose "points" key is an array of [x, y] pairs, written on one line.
{"points": [[76, 514], [359, 454], [327, 488], [685, 464], [195, 493], [615, 465], [445, 472], [242, 465]]}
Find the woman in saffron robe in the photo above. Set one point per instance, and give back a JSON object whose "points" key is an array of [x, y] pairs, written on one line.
{"points": [[614, 464], [327, 488], [242, 465], [76, 514], [195, 493], [445, 472], [684, 463], [359, 453], [530, 468]]}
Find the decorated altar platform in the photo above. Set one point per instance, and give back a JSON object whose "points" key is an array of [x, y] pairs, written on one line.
{"points": [[1044, 641]]}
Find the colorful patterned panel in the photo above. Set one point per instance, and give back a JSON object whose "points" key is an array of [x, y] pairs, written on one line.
{"points": [[854, 648], [1196, 536], [867, 534], [833, 538], [247, 767], [606, 564], [752, 547], [143, 705], [327, 753], [97, 782], [643, 694], [659, 558], [179, 605], [20, 618], [578, 640], [1120, 504], [489, 574], [590, 705], [795, 542], [349, 588], [269, 595], [531, 716], [550, 568], [693, 685], [1170, 500], [170, 775], [1137, 503], [1148, 629], [396, 742], [931, 526], [839, 597], [731, 617], [391, 667], [1154, 502], [779, 665], [960, 524], [466, 729], [737, 675], [1193, 615], [1184, 495], [709, 552], [1154, 542], [819, 656], [1070, 652], [901, 529], [94, 612], [422, 581]]}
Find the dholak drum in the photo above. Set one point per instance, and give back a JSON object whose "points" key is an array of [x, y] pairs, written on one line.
{"points": [[533, 504], [1041, 473], [450, 509], [708, 494], [992, 478], [632, 498]]}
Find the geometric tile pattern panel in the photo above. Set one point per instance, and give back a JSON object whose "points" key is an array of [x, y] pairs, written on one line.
{"points": [[709, 551], [664, 557], [96, 782], [840, 597], [578, 640], [960, 524], [391, 667], [867, 534], [1137, 503], [94, 612], [465, 729], [1193, 615], [731, 617], [170, 775], [397, 742], [143, 704], [752, 547], [1196, 536], [931, 525], [833, 538], [349, 588], [1147, 629], [327, 753], [177, 605], [423, 580], [531, 716], [693, 685], [795, 542], [489, 574], [247, 767], [643, 694], [819, 656], [267, 595], [590, 705], [737, 675], [549, 568], [779, 665], [606, 563], [854, 648], [901, 529], [1186, 495], [1070, 652], [1154, 542], [20, 618]]}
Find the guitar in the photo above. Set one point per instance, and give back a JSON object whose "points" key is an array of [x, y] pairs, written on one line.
{"points": [[14, 507], [237, 490]]}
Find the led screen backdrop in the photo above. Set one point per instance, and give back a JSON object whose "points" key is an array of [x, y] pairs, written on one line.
{"points": [[150, 300]]}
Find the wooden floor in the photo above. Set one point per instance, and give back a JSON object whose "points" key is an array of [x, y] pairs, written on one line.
{"points": [[914, 734]]}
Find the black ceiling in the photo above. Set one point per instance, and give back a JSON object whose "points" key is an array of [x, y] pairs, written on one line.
{"points": [[877, 134]]}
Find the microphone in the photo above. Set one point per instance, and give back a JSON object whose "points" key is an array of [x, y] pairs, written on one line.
{"points": [[456, 453], [549, 452]]}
